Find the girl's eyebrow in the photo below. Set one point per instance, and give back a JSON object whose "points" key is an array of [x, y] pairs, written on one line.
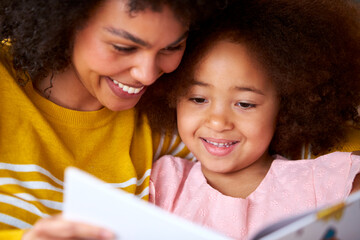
{"points": [[237, 88], [199, 83], [250, 89], [125, 34]]}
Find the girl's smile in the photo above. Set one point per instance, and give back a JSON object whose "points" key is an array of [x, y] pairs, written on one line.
{"points": [[219, 147]]}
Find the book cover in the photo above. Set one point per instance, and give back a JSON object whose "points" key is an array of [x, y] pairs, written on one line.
{"points": [[340, 221]]}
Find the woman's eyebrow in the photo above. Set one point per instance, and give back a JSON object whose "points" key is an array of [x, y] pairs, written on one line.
{"points": [[125, 34], [182, 37]]}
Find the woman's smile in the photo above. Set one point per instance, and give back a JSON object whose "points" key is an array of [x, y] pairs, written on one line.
{"points": [[127, 89]]}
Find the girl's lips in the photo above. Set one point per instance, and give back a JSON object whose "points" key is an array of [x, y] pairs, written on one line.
{"points": [[219, 148], [124, 91]]}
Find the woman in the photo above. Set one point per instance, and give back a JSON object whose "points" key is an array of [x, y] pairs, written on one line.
{"points": [[71, 73]]}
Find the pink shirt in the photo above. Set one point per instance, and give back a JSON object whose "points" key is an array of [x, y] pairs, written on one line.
{"points": [[290, 187]]}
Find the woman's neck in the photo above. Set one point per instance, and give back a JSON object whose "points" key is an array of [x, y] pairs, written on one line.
{"points": [[242, 183], [65, 89]]}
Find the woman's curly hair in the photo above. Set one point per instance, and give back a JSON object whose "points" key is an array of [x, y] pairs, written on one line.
{"points": [[41, 32], [310, 49]]}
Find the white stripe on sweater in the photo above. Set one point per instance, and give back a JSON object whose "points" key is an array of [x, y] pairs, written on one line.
{"points": [[13, 221], [29, 184], [47, 203], [22, 204], [29, 168]]}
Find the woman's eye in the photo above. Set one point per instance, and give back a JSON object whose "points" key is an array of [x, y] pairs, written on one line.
{"points": [[198, 100], [245, 105], [124, 49], [174, 48]]}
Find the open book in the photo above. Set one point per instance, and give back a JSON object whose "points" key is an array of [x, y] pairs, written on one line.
{"points": [[336, 222], [90, 200]]}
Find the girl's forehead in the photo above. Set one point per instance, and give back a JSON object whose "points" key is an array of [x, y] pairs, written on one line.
{"points": [[228, 65]]}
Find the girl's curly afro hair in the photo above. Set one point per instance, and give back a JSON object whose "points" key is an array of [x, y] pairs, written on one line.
{"points": [[310, 49]]}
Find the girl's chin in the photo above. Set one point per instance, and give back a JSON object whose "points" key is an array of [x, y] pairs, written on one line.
{"points": [[217, 168]]}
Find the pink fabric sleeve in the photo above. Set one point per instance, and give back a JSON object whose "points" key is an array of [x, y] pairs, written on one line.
{"points": [[333, 176], [166, 180]]}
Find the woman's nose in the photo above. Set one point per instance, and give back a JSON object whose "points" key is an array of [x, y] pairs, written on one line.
{"points": [[146, 70]]}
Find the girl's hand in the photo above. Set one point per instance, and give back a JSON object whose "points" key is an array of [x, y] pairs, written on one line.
{"points": [[56, 227]]}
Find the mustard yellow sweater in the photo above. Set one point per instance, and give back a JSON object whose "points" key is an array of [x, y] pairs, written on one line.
{"points": [[351, 144], [39, 139]]}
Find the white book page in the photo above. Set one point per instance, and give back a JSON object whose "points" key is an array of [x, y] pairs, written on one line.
{"points": [[88, 199]]}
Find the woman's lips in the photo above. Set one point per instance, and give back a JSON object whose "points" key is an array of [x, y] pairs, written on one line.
{"points": [[122, 90], [128, 89]]}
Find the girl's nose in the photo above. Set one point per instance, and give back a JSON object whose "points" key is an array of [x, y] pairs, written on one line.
{"points": [[220, 120], [146, 70]]}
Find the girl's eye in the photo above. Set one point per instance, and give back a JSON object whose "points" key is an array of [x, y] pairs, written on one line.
{"points": [[198, 100], [245, 105], [124, 49]]}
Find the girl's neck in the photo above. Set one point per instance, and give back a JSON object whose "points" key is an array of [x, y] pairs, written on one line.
{"points": [[242, 183], [66, 90]]}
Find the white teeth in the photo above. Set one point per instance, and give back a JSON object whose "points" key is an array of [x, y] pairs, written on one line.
{"points": [[128, 89], [228, 144]]}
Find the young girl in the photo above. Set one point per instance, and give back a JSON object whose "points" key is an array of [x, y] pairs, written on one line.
{"points": [[260, 81], [71, 73]]}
